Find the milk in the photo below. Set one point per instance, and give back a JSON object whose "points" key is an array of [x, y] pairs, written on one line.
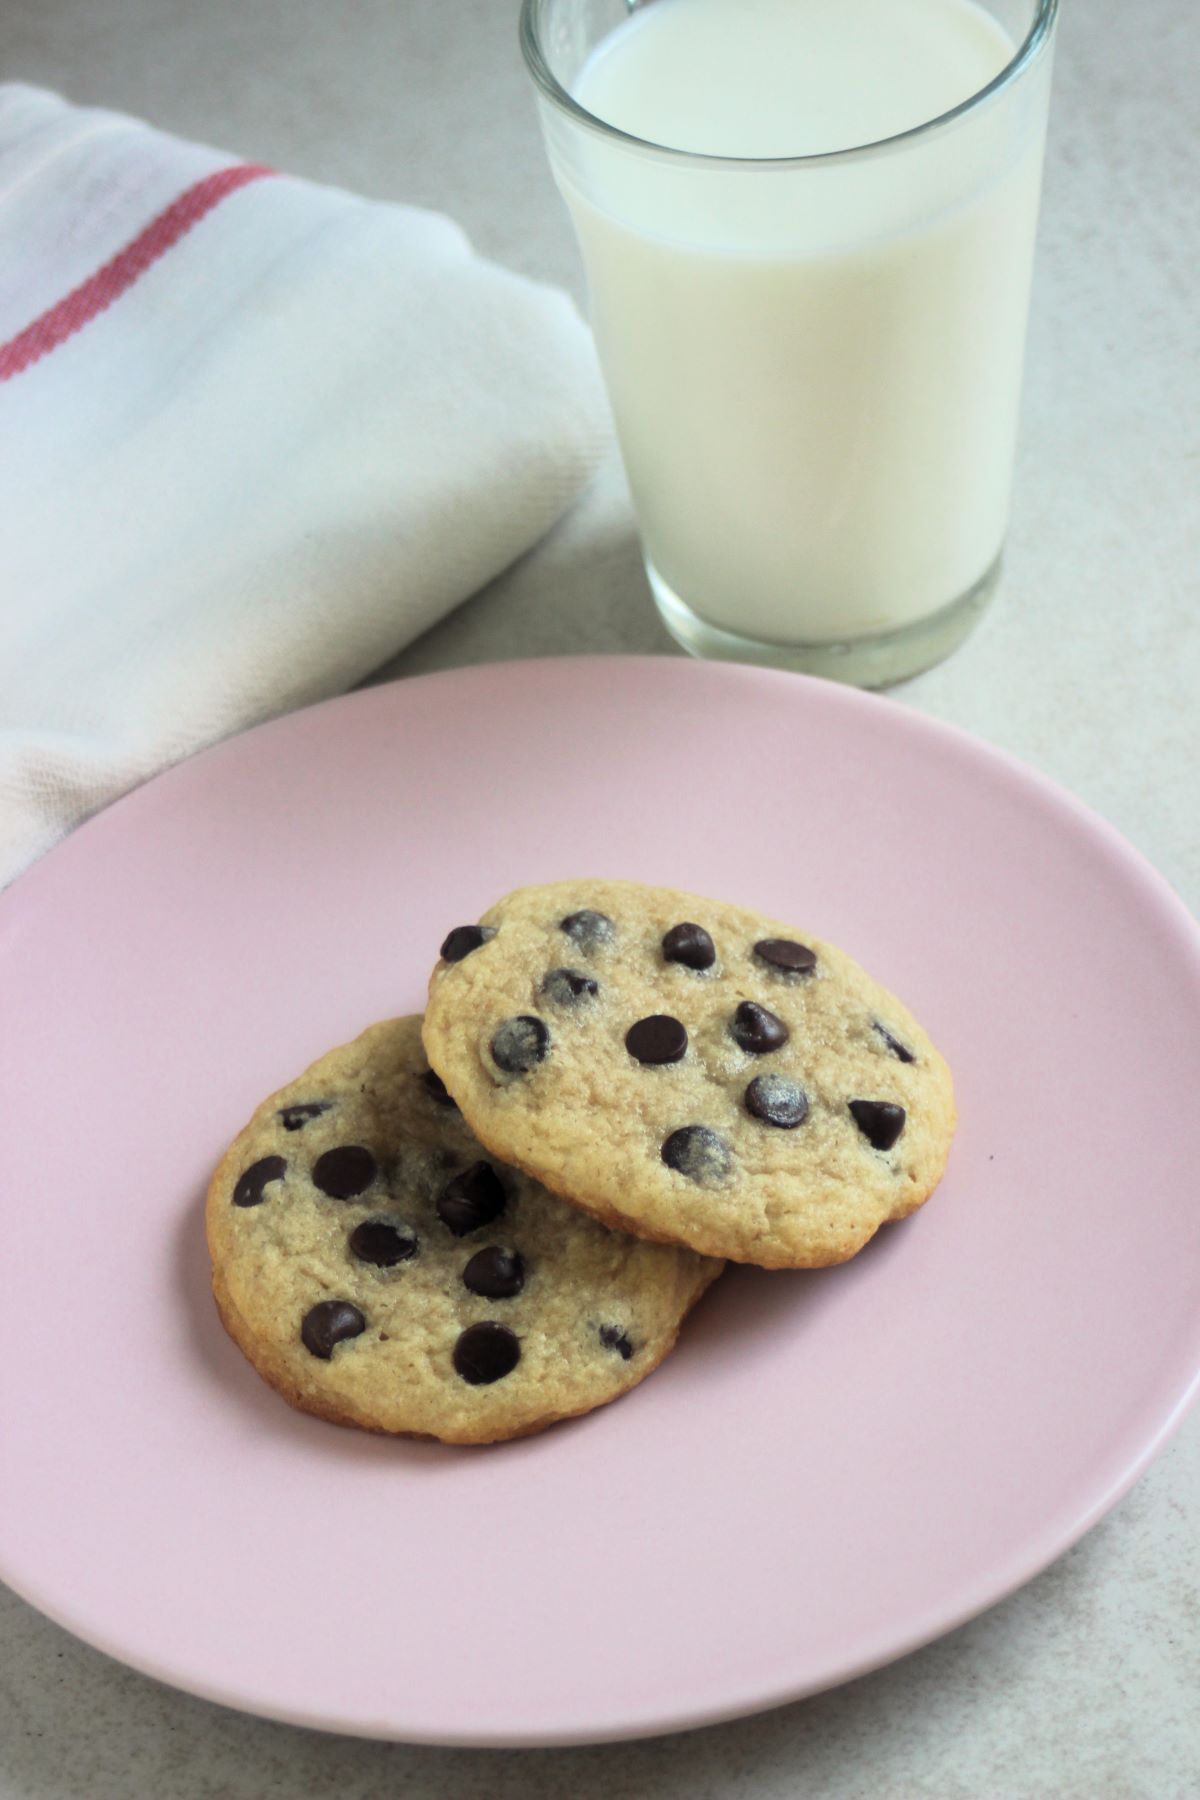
{"points": [[814, 367]]}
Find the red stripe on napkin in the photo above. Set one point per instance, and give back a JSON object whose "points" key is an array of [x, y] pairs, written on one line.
{"points": [[99, 291]]}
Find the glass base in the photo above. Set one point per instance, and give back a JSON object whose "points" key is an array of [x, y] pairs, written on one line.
{"points": [[874, 661]]}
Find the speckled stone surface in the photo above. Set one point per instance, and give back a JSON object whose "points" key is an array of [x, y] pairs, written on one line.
{"points": [[1085, 1683]]}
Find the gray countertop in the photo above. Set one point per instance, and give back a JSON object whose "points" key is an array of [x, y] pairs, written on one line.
{"points": [[1087, 1682]]}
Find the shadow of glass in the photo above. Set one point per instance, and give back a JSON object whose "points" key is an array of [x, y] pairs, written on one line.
{"points": [[582, 590]]}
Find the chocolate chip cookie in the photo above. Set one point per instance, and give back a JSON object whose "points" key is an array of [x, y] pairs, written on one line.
{"points": [[380, 1269], [690, 1070]]}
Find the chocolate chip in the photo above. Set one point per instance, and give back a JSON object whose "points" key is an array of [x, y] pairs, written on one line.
{"points": [[698, 1153], [893, 1044], [520, 1044], [496, 1274], [250, 1184], [471, 1199], [486, 1353], [344, 1172], [437, 1090], [566, 987], [328, 1324], [880, 1121], [613, 1338], [690, 945], [294, 1118], [465, 938], [777, 1101], [382, 1242], [658, 1039], [758, 1031], [590, 930], [786, 954]]}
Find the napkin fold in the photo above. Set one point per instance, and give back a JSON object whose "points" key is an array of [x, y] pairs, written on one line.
{"points": [[256, 434]]}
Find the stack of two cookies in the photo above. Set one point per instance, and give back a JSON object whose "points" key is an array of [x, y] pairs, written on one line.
{"points": [[472, 1225]]}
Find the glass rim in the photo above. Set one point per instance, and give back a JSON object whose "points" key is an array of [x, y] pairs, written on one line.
{"points": [[552, 89]]}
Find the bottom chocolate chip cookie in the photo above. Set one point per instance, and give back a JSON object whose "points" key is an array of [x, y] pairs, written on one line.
{"points": [[380, 1270]]}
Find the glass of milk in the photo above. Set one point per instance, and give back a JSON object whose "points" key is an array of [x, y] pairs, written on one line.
{"points": [[808, 231]]}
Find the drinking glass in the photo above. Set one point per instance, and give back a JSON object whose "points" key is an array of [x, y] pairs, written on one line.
{"points": [[814, 361]]}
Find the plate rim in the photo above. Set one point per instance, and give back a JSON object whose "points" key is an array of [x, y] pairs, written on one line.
{"points": [[840, 693]]}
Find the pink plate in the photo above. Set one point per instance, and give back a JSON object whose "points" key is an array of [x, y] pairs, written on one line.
{"points": [[834, 1467]]}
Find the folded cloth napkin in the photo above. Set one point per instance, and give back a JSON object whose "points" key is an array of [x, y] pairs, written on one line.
{"points": [[255, 435]]}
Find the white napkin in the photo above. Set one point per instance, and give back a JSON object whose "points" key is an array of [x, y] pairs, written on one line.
{"points": [[255, 435]]}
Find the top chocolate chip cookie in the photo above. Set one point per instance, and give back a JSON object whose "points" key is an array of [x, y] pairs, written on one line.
{"points": [[690, 1070]]}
